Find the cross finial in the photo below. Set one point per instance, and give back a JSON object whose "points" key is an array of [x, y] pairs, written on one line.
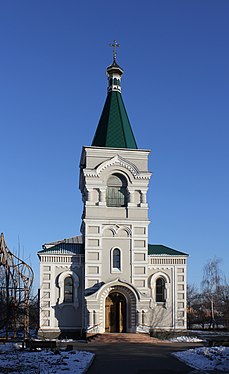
{"points": [[115, 45]]}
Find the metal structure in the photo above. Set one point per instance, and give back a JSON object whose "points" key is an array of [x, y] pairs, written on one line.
{"points": [[114, 45], [16, 279]]}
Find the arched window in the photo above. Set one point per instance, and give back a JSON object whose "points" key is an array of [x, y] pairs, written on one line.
{"points": [[94, 317], [160, 290], [116, 259], [117, 191], [68, 290], [143, 317]]}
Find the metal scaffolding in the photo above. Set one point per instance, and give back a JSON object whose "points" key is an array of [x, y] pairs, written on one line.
{"points": [[16, 279]]}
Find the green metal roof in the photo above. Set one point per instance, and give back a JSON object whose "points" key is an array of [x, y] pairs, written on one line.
{"points": [[114, 129], [158, 249], [64, 248]]}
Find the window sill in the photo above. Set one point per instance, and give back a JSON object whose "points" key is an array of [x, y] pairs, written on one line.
{"points": [[115, 270], [162, 303], [74, 305]]}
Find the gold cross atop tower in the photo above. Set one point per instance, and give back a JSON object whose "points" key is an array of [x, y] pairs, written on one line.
{"points": [[115, 45]]}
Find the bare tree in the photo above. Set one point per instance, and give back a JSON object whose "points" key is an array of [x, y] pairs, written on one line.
{"points": [[211, 286], [224, 302], [193, 301], [16, 279]]}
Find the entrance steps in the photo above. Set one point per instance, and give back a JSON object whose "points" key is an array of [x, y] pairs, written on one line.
{"points": [[121, 338]]}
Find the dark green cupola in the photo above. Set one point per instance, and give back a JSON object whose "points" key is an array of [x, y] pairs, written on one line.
{"points": [[114, 129]]}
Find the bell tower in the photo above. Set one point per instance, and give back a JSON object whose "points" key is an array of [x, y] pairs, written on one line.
{"points": [[114, 180]]}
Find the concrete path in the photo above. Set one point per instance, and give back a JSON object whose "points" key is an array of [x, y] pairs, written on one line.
{"points": [[134, 354], [135, 358]]}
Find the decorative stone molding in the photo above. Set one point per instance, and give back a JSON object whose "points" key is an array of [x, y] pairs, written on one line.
{"points": [[107, 287], [166, 260], [120, 162], [66, 267], [158, 274], [60, 284], [112, 268], [152, 281], [131, 295], [116, 229]]}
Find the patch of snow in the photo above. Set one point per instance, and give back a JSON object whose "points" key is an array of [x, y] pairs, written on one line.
{"points": [[186, 339], [66, 340], [143, 329], [44, 361], [206, 358], [210, 332], [59, 340], [19, 333]]}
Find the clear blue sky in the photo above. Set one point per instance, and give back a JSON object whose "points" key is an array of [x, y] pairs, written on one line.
{"points": [[53, 56]]}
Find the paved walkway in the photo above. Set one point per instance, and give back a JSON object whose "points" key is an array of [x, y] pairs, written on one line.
{"points": [[128, 358], [120, 356]]}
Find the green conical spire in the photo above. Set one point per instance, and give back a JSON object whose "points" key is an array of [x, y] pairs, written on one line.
{"points": [[114, 129]]}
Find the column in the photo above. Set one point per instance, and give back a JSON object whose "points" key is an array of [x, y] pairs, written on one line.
{"points": [[131, 198], [143, 199], [102, 196], [89, 197]]}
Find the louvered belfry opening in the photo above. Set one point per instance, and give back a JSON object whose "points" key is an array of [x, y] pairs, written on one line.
{"points": [[117, 193]]}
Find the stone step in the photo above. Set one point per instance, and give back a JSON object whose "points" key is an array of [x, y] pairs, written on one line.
{"points": [[121, 338]]}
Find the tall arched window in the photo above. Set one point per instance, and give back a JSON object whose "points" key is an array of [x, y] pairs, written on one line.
{"points": [[143, 317], [116, 259], [68, 290], [117, 191], [160, 290]]}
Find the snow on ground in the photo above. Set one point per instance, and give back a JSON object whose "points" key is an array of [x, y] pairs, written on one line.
{"points": [[186, 339], [19, 333], [44, 361], [205, 358], [209, 332]]}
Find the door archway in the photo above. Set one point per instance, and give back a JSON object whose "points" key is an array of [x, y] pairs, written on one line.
{"points": [[115, 313]]}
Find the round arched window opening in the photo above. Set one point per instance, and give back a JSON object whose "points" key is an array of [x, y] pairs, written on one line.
{"points": [[116, 259], [160, 290], [68, 290], [117, 191]]}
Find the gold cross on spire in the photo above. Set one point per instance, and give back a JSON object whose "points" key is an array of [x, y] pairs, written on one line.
{"points": [[115, 45]]}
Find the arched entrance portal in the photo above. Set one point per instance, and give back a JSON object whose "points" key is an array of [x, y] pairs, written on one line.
{"points": [[115, 312]]}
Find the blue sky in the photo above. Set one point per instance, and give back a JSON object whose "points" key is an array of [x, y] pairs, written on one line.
{"points": [[52, 89]]}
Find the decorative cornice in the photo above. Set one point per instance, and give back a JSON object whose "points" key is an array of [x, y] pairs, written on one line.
{"points": [[120, 162], [68, 266]]}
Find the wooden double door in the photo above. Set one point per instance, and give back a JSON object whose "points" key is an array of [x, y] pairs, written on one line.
{"points": [[115, 313]]}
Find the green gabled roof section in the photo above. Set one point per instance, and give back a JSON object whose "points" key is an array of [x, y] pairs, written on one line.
{"points": [[64, 248], [158, 249], [114, 129]]}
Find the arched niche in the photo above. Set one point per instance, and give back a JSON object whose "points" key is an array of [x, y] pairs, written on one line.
{"points": [[61, 284]]}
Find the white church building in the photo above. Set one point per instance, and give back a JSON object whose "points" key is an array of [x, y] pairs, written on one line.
{"points": [[109, 278]]}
